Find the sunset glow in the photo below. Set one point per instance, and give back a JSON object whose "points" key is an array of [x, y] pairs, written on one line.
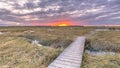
{"points": [[62, 23]]}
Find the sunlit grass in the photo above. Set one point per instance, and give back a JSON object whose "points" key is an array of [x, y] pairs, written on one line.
{"points": [[101, 61], [19, 53], [105, 41]]}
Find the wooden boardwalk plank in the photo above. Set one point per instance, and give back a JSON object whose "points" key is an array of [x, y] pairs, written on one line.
{"points": [[71, 57]]}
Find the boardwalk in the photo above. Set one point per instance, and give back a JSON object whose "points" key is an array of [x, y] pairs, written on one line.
{"points": [[71, 57]]}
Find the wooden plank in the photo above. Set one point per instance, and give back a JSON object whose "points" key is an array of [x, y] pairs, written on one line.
{"points": [[71, 57]]}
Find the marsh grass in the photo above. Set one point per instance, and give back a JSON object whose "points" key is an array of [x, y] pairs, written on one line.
{"points": [[17, 52], [101, 61], [105, 41]]}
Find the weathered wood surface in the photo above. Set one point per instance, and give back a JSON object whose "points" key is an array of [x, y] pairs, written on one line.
{"points": [[71, 57]]}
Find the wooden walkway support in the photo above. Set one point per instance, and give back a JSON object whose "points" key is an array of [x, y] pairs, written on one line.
{"points": [[71, 57]]}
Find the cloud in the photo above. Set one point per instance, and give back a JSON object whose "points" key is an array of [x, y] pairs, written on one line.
{"points": [[92, 12]]}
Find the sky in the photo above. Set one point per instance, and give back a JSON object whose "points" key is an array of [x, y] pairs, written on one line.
{"points": [[48, 12]]}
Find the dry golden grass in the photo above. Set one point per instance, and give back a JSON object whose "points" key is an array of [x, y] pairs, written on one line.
{"points": [[105, 41], [49, 36], [101, 61], [17, 52], [46, 33]]}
